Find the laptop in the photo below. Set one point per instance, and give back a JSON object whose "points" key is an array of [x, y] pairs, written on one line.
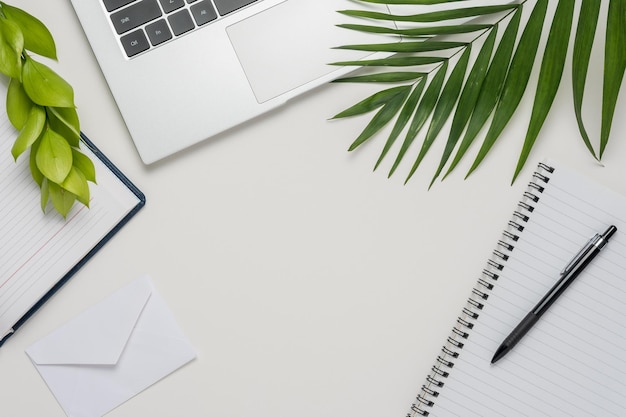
{"points": [[182, 71]]}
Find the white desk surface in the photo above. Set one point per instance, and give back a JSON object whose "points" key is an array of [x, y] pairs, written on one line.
{"points": [[309, 285]]}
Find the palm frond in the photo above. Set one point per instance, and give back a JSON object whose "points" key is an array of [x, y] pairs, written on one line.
{"points": [[491, 83], [444, 106], [403, 118], [422, 112], [614, 66], [421, 32], [491, 89], [585, 34], [516, 79], [549, 76], [437, 16], [468, 100]]}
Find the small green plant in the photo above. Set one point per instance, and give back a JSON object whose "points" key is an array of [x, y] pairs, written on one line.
{"points": [[40, 105], [433, 75]]}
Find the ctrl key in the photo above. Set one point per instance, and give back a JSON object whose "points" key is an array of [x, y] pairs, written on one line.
{"points": [[135, 42]]}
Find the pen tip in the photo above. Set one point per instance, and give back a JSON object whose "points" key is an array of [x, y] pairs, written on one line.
{"points": [[500, 352]]}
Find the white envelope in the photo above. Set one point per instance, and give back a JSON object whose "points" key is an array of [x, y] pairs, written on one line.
{"points": [[112, 351]]}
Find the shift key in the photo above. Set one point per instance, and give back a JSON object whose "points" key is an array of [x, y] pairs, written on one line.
{"points": [[135, 15]]}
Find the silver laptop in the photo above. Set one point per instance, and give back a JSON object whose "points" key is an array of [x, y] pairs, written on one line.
{"points": [[182, 71]]}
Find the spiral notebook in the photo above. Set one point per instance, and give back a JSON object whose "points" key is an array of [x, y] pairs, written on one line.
{"points": [[573, 361]]}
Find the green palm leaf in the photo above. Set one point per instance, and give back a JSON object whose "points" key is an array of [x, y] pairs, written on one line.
{"points": [[371, 103], [389, 101], [426, 43], [405, 47], [467, 101], [383, 77], [394, 61], [614, 65], [403, 119], [418, 32], [446, 102], [423, 111], [430, 17], [430, 2], [491, 88], [549, 76], [585, 33], [516, 79]]}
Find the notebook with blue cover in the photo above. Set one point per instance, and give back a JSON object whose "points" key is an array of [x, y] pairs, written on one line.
{"points": [[40, 251]]}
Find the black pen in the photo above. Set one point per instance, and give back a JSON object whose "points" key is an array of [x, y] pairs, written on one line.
{"points": [[569, 273]]}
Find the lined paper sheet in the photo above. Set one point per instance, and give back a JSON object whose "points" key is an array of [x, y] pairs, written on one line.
{"points": [[37, 249], [573, 361]]}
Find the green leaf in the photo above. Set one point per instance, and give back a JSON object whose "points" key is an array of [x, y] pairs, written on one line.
{"points": [[491, 88], [37, 38], [377, 29], [394, 61], [64, 121], [418, 32], [62, 200], [34, 170], [516, 80], [549, 76], [45, 87], [32, 129], [403, 118], [497, 85], [424, 109], [371, 103], [468, 99], [405, 47], [18, 104], [437, 16], [76, 183], [84, 164], [54, 156], [445, 104], [45, 194], [383, 77], [585, 33], [409, 1], [614, 66], [11, 47], [384, 115]]}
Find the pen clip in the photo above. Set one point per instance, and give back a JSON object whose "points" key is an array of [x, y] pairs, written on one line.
{"points": [[594, 241]]}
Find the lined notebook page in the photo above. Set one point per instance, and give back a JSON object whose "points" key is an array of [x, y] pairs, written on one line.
{"points": [[37, 249], [573, 361]]}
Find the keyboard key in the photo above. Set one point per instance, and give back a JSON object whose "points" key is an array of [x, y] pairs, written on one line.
{"points": [[203, 12], [227, 6], [171, 5], [135, 15], [116, 4], [180, 22], [158, 32], [135, 42]]}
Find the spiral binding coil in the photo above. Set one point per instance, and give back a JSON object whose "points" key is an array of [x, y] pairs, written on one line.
{"points": [[475, 303]]}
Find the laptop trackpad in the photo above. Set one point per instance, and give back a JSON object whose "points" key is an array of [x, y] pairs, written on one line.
{"points": [[290, 44]]}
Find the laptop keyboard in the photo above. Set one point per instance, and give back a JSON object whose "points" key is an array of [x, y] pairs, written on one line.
{"points": [[144, 24]]}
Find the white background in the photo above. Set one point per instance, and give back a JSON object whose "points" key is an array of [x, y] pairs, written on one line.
{"points": [[309, 285]]}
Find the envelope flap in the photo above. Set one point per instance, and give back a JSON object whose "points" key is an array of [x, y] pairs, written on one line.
{"points": [[99, 334]]}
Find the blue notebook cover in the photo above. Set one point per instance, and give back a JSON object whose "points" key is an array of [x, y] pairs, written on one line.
{"points": [[141, 201]]}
